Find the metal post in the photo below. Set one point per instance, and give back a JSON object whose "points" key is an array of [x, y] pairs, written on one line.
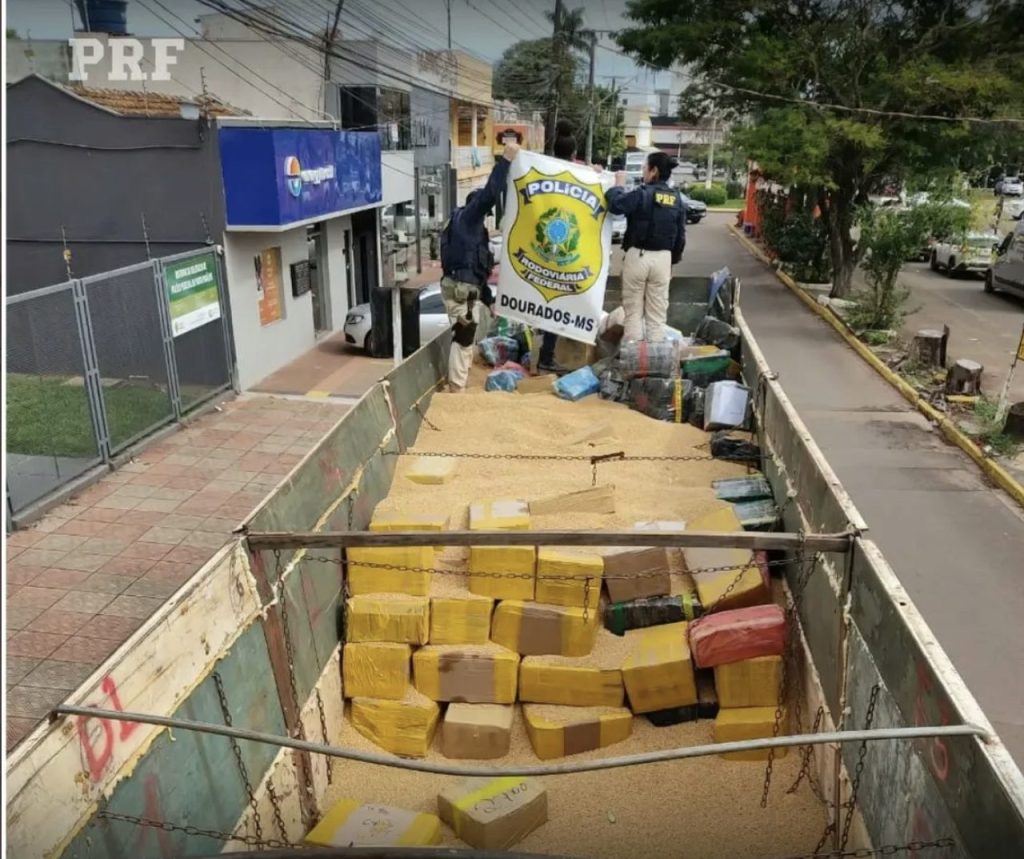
{"points": [[170, 359], [711, 151], [417, 201], [593, 118], [396, 323], [91, 370]]}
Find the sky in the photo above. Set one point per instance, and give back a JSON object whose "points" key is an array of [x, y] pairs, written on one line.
{"points": [[483, 27]]}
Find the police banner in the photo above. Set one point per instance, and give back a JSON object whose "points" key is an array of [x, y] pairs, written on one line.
{"points": [[557, 240]]}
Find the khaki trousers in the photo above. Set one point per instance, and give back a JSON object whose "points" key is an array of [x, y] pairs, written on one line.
{"points": [[645, 277], [460, 358]]}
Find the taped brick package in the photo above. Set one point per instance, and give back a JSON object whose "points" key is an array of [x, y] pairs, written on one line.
{"points": [[387, 617], [458, 616], [537, 629], [658, 673], [741, 582], [652, 611], [729, 636], [517, 563], [748, 723], [475, 674], [350, 823], [635, 573], [750, 682], [575, 577], [590, 681], [387, 521], [555, 732], [403, 727], [503, 515], [432, 470], [477, 731], [493, 813], [376, 670], [366, 579]]}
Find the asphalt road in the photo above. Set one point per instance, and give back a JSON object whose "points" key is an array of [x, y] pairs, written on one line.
{"points": [[985, 327], [956, 544]]}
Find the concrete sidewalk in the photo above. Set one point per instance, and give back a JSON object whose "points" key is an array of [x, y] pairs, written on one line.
{"points": [[955, 543], [86, 576]]}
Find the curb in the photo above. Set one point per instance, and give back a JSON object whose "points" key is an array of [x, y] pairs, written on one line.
{"points": [[995, 472]]}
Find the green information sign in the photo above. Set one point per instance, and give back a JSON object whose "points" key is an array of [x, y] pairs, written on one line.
{"points": [[192, 294]]}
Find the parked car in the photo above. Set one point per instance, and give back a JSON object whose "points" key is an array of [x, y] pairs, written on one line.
{"points": [[1010, 186], [695, 210], [433, 319], [1007, 270], [972, 253], [618, 228], [1014, 208]]}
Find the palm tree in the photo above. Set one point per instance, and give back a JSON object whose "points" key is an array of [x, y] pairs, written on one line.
{"points": [[569, 37]]}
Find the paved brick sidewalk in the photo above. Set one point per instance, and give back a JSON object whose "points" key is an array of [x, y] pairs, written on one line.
{"points": [[88, 575]]}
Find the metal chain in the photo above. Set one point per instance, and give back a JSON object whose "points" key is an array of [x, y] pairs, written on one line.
{"points": [[806, 753], [236, 749], [323, 732], [558, 457], [851, 804], [166, 826], [888, 850], [419, 408]]}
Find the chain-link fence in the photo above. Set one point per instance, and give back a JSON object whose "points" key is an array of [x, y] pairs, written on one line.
{"points": [[95, 365]]}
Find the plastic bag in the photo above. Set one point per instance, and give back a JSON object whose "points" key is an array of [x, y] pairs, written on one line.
{"points": [[642, 359], [739, 447], [514, 367], [743, 633], [721, 334], [693, 406], [577, 384], [502, 380], [613, 385], [704, 369], [760, 515], [726, 404], [651, 611], [661, 399], [734, 489], [498, 350]]}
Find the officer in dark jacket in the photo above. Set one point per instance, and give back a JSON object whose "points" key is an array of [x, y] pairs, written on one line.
{"points": [[654, 242], [466, 263]]}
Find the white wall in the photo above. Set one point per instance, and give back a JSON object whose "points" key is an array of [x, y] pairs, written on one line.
{"points": [[396, 170], [334, 274], [263, 349]]}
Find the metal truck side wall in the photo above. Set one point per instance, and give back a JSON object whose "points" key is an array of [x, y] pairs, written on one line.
{"points": [[956, 787]]}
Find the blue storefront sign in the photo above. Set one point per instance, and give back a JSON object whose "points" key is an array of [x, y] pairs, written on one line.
{"points": [[276, 177]]}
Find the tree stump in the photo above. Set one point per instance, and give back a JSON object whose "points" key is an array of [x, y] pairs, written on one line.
{"points": [[964, 378], [1015, 421], [930, 346]]}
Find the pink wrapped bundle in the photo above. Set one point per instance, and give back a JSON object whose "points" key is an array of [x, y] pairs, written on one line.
{"points": [[743, 633]]}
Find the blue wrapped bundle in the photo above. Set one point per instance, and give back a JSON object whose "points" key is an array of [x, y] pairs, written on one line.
{"points": [[502, 380], [498, 350], [577, 384]]}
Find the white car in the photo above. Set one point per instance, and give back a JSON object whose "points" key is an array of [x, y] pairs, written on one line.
{"points": [[433, 319], [973, 253], [1014, 208], [618, 228], [1010, 186]]}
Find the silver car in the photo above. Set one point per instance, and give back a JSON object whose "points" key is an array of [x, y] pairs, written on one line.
{"points": [[433, 319]]}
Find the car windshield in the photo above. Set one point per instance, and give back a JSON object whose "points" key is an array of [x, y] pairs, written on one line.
{"points": [[981, 241]]}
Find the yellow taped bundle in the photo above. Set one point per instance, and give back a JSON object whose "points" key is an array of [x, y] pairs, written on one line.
{"points": [[384, 522], [375, 670], [503, 515], [350, 823], [535, 629], [748, 723], [366, 579], [456, 615], [750, 682], [520, 562], [741, 583], [591, 681], [477, 731], [558, 731], [432, 470], [658, 673], [475, 674], [403, 727], [388, 617], [576, 572], [493, 813]]}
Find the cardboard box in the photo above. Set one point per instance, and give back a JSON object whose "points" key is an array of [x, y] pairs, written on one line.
{"points": [[521, 561], [635, 573], [730, 636], [350, 823], [554, 680], [572, 354], [577, 575], [375, 670], [537, 629], [753, 682], [432, 470], [502, 515], [493, 813], [377, 579], [477, 731], [748, 723], [537, 384], [474, 674], [555, 732], [404, 728], [658, 673], [387, 617]]}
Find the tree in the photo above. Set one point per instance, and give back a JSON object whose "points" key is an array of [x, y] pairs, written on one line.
{"points": [[826, 82]]}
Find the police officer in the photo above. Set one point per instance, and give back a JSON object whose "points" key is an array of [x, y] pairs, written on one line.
{"points": [[466, 263], [654, 242]]}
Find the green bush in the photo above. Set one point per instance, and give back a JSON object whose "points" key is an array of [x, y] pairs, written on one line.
{"points": [[735, 190], [713, 196]]}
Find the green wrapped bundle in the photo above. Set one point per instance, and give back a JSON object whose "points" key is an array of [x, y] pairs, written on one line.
{"points": [[702, 370], [673, 716], [651, 611], [757, 515], [737, 489]]}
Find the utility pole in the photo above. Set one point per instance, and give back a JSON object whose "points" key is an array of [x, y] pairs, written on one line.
{"points": [[613, 123], [556, 61], [711, 150], [593, 118], [448, 3]]}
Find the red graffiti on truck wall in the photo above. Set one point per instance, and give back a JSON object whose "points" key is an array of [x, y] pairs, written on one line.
{"points": [[153, 810], [97, 736], [938, 752]]}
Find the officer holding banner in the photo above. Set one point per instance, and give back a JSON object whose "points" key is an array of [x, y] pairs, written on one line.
{"points": [[654, 242]]}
